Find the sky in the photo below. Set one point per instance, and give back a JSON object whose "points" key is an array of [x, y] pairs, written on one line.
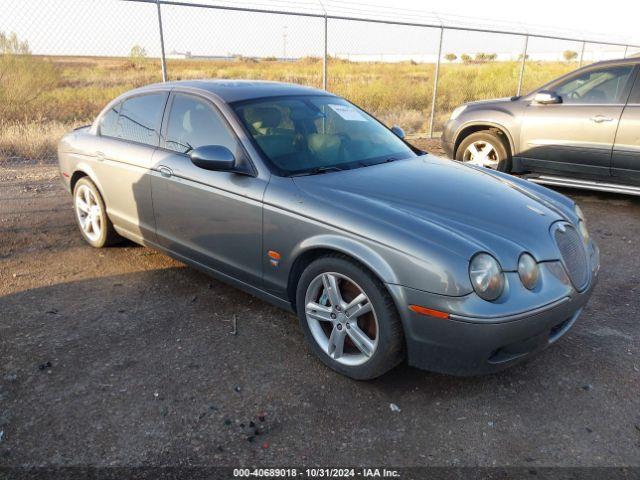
{"points": [[112, 27], [616, 19]]}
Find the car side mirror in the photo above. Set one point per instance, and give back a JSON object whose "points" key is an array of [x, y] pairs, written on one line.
{"points": [[546, 97], [398, 131], [213, 157]]}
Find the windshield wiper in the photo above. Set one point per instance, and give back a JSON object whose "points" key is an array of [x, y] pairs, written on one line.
{"points": [[384, 160], [317, 171]]}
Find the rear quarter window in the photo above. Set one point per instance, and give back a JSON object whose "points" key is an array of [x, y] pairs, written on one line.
{"points": [[109, 121]]}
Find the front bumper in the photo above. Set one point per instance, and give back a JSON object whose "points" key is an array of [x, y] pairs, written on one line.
{"points": [[464, 345]]}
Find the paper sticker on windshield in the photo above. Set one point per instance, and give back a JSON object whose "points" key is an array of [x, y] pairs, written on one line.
{"points": [[348, 113]]}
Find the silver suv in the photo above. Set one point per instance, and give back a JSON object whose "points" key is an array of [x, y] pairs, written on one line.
{"points": [[581, 130]]}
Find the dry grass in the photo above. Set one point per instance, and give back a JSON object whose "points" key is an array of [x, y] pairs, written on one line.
{"points": [[41, 97], [31, 140]]}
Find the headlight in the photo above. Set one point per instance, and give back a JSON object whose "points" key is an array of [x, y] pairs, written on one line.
{"points": [[528, 271], [456, 113], [582, 224], [486, 276]]}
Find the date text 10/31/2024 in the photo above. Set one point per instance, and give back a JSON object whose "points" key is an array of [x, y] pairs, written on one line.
{"points": [[316, 472]]}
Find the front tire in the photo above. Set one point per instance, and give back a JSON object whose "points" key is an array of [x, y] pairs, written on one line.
{"points": [[91, 215], [348, 318], [484, 149]]}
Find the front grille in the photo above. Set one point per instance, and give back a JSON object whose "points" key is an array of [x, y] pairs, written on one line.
{"points": [[573, 254]]}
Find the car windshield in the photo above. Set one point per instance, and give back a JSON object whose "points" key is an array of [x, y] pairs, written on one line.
{"points": [[313, 134]]}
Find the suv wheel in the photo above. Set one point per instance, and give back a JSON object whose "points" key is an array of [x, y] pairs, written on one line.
{"points": [[484, 149], [349, 318]]}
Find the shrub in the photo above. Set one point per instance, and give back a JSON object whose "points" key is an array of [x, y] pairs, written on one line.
{"points": [[485, 57], [137, 57], [23, 78], [10, 44]]}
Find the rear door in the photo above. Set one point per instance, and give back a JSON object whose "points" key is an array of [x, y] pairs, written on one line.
{"points": [[625, 164], [577, 135], [213, 218], [128, 135]]}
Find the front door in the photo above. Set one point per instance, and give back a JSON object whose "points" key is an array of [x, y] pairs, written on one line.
{"points": [[213, 218], [625, 165], [577, 135]]}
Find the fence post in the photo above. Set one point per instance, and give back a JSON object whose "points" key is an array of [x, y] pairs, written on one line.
{"points": [[324, 57], [581, 54], [435, 85], [163, 58], [524, 60]]}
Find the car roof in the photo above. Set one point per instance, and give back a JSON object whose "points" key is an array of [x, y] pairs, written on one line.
{"points": [[616, 61], [239, 90]]}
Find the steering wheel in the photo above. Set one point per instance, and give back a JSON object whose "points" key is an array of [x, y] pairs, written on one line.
{"points": [[574, 95]]}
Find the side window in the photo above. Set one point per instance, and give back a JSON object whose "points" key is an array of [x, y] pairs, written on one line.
{"points": [[603, 86], [635, 93], [109, 122], [193, 123], [140, 118]]}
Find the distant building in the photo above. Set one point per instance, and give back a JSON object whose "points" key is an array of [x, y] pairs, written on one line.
{"points": [[229, 57]]}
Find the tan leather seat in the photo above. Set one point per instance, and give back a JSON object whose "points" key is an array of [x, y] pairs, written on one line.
{"points": [[263, 120], [326, 148]]}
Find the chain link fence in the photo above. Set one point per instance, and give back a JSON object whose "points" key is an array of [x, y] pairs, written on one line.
{"points": [[62, 61]]}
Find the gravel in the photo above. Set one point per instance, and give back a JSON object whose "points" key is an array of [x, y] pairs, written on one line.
{"points": [[106, 359]]}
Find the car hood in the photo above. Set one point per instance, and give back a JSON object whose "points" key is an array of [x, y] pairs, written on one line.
{"points": [[425, 204], [491, 101]]}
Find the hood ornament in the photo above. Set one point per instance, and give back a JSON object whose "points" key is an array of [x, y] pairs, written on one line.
{"points": [[536, 210]]}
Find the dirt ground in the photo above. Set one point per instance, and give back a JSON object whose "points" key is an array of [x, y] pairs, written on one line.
{"points": [[123, 356]]}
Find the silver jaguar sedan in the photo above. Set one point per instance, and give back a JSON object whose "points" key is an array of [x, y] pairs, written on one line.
{"points": [[306, 201]]}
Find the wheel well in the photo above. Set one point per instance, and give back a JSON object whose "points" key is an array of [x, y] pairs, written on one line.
{"points": [[502, 135], [305, 259], [77, 175]]}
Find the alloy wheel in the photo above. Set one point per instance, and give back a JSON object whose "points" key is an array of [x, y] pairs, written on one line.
{"points": [[341, 318], [482, 154], [89, 213]]}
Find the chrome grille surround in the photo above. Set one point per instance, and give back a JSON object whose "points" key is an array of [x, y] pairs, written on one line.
{"points": [[572, 252]]}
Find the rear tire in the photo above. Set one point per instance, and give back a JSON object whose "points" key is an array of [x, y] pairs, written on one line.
{"points": [[91, 215], [485, 148], [358, 333]]}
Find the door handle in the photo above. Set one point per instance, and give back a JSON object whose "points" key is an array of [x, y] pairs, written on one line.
{"points": [[100, 156], [165, 171], [601, 118]]}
